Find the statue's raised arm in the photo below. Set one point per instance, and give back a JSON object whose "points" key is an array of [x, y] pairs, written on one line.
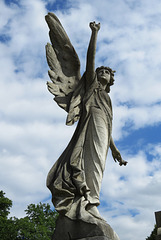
{"points": [[75, 178], [91, 53]]}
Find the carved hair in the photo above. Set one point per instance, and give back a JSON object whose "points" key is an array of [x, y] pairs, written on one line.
{"points": [[111, 76]]}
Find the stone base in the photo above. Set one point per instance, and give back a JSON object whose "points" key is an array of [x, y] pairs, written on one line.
{"points": [[67, 229], [158, 237], [94, 238]]}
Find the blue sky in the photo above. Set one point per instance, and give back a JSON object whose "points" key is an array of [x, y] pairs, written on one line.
{"points": [[33, 130]]}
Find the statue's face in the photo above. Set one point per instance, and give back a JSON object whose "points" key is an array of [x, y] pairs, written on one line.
{"points": [[104, 76]]}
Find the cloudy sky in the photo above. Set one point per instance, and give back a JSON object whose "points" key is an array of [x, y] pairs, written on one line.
{"points": [[32, 127]]}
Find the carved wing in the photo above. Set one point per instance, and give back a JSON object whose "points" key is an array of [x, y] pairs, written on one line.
{"points": [[63, 62]]}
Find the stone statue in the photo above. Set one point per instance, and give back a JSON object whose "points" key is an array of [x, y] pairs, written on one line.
{"points": [[75, 179]]}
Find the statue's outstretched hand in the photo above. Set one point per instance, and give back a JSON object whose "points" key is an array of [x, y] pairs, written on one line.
{"points": [[94, 26], [117, 157]]}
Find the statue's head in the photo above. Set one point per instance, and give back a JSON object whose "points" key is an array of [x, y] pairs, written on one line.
{"points": [[105, 76]]}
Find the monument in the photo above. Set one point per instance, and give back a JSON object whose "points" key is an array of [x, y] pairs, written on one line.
{"points": [[75, 179], [158, 223]]}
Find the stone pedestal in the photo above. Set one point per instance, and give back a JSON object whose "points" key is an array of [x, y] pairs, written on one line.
{"points": [[158, 237], [95, 238], [158, 222], [67, 229], [158, 218]]}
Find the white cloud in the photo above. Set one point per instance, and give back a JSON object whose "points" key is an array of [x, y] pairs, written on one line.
{"points": [[131, 190]]}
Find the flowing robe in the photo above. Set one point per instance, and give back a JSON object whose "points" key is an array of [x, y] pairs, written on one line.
{"points": [[75, 179]]}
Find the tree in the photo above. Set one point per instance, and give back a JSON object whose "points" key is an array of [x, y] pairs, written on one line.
{"points": [[153, 234], [7, 225], [5, 205], [39, 222]]}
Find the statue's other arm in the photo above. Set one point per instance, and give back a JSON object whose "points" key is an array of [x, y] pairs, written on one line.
{"points": [[90, 66], [116, 154]]}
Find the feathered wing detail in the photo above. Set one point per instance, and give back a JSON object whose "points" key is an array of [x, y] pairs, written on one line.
{"points": [[63, 62]]}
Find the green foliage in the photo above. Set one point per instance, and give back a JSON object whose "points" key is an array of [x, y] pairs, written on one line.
{"points": [[153, 234], [39, 222], [5, 205], [7, 225], [8, 229]]}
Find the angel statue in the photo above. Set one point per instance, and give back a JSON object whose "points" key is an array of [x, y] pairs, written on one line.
{"points": [[75, 178]]}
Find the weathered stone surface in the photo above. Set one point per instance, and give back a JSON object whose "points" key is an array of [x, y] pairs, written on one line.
{"points": [[158, 218], [94, 238], [158, 237], [159, 231], [67, 229], [75, 178], [158, 222]]}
